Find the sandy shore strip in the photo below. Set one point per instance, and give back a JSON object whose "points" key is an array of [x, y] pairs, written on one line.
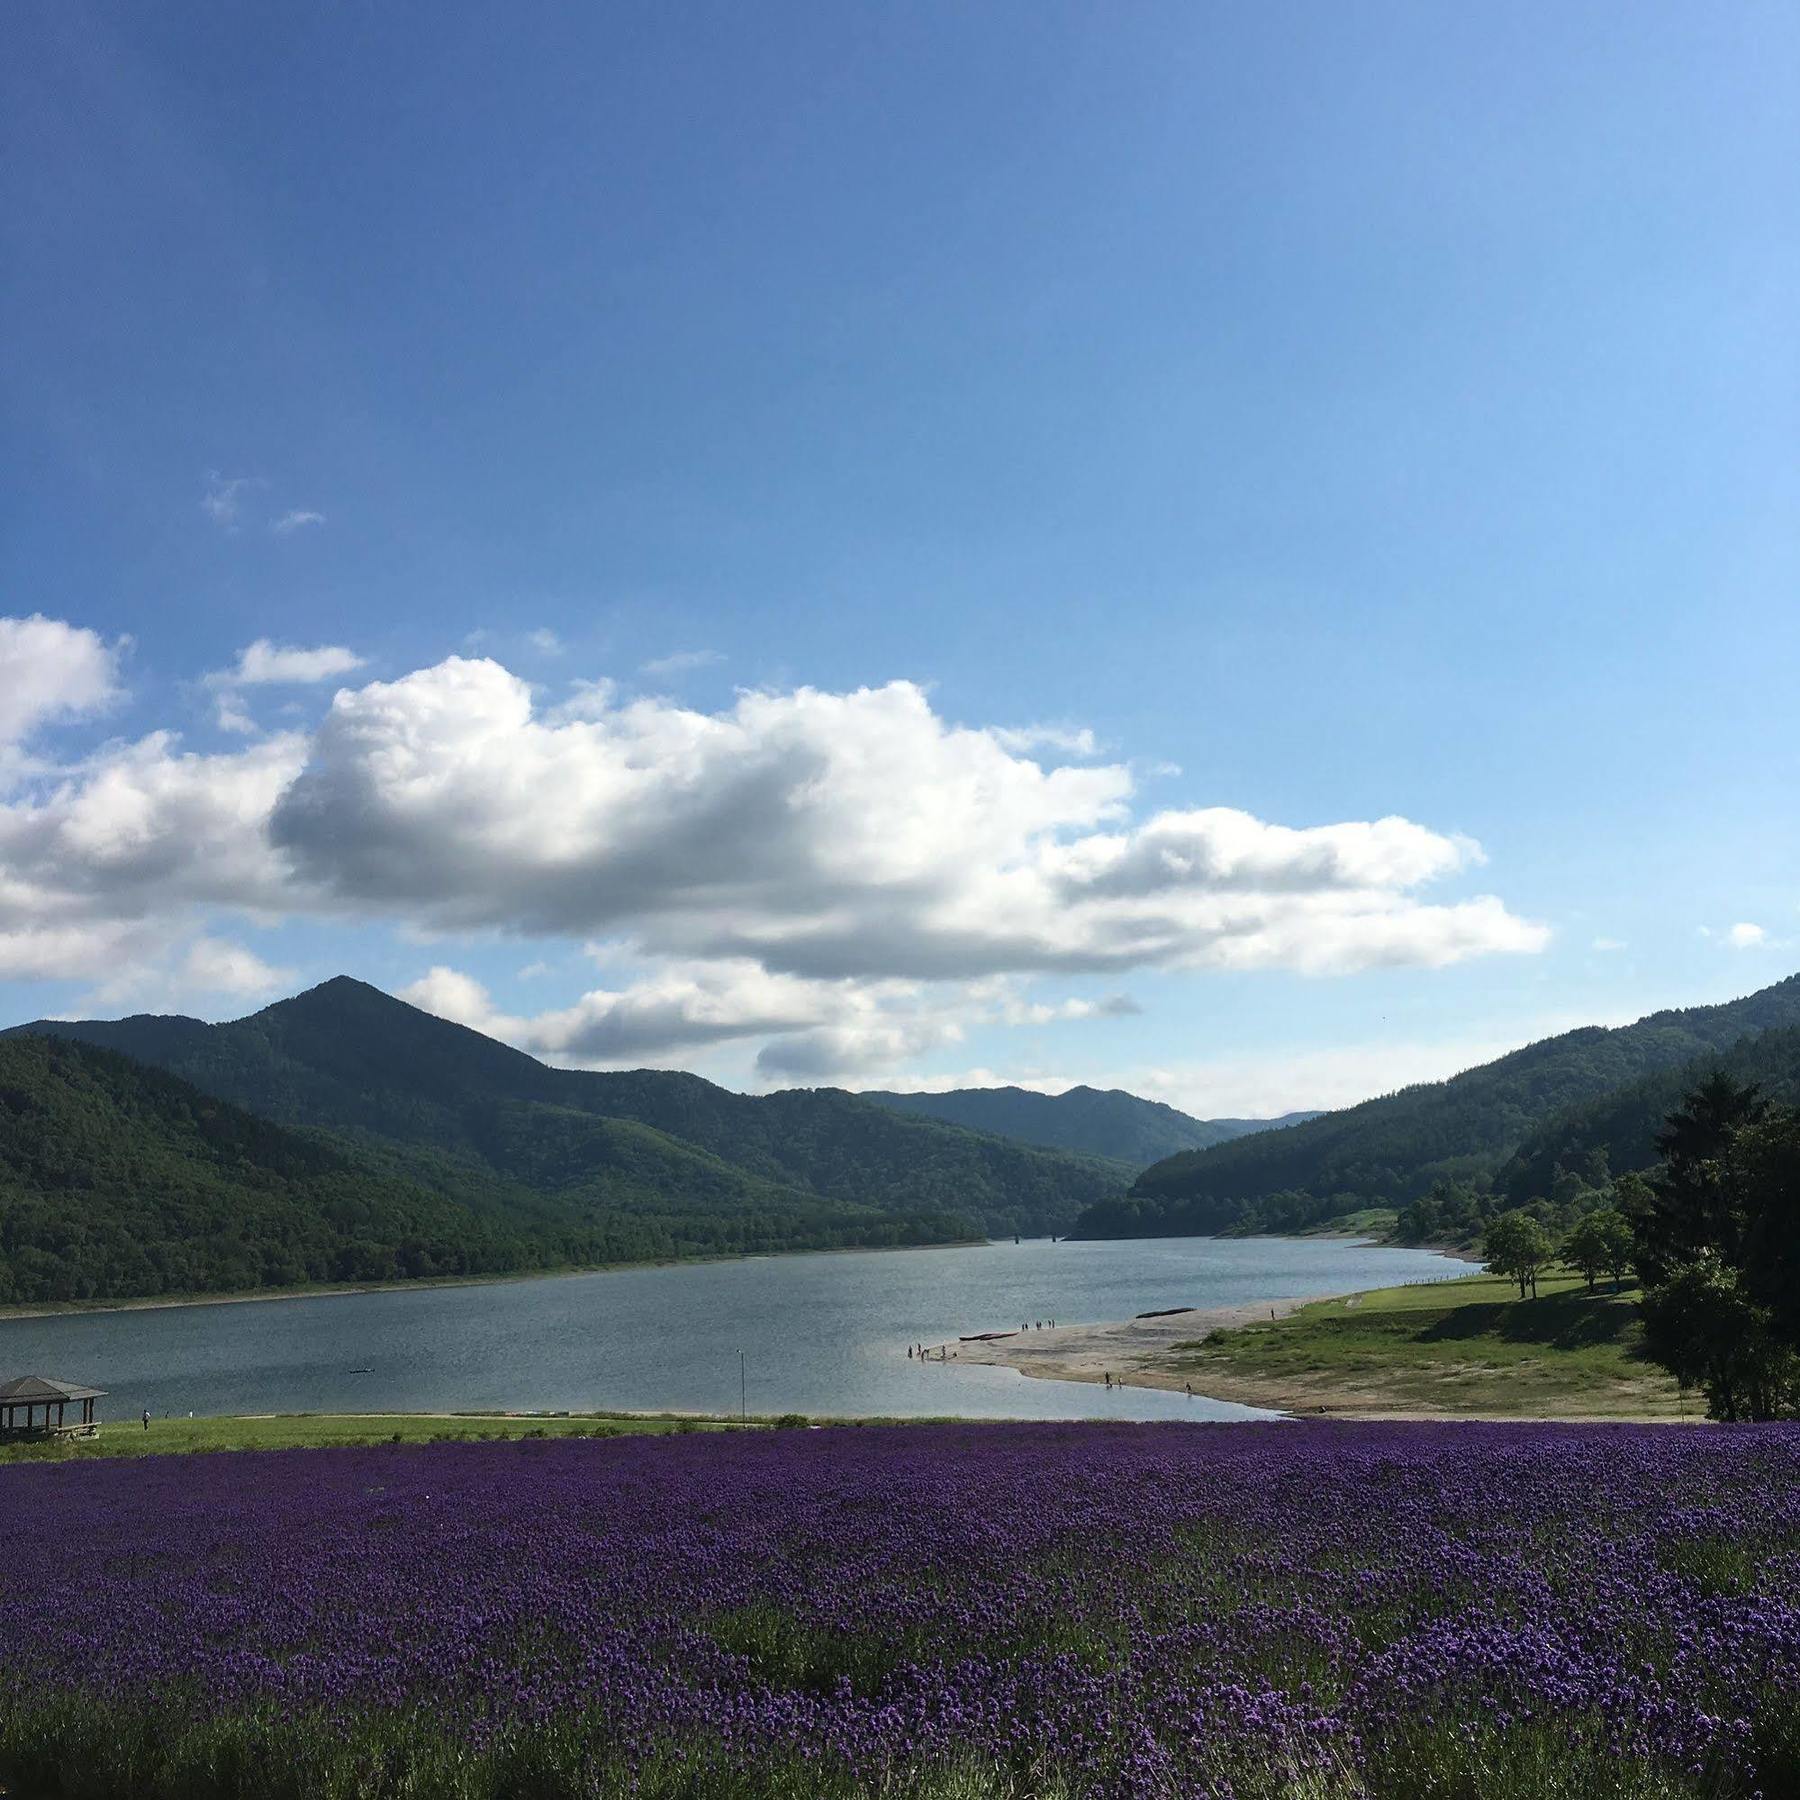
{"points": [[1139, 1352], [1127, 1351]]}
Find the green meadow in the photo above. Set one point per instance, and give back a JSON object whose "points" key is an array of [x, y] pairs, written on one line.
{"points": [[1465, 1347]]}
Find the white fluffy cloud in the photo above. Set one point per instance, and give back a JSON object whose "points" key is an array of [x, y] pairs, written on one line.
{"points": [[266, 664], [834, 836], [51, 671], [843, 876], [185, 977], [48, 952], [145, 833], [1747, 937], [811, 1028]]}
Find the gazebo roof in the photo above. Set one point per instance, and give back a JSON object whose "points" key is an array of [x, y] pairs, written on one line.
{"points": [[25, 1390]]}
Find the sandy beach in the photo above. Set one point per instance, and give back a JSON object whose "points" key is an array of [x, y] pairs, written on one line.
{"points": [[1129, 1351], [1142, 1352]]}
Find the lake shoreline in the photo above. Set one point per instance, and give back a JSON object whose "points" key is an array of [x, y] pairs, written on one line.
{"points": [[1144, 1352], [63, 1309], [66, 1309], [1091, 1352], [821, 1334]]}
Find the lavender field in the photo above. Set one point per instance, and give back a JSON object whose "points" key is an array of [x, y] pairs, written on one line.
{"points": [[939, 1613]]}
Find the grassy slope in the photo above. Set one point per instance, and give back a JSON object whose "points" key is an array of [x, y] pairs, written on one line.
{"points": [[1460, 1347], [318, 1431]]}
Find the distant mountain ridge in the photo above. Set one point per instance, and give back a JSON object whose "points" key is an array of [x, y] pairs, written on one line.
{"points": [[459, 1110], [1391, 1150], [1096, 1121]]}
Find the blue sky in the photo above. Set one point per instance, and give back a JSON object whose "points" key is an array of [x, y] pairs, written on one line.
{"points": [[1228, 422]]}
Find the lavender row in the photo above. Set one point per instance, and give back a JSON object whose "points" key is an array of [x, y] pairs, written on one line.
{"points": [[1131, 1611]]}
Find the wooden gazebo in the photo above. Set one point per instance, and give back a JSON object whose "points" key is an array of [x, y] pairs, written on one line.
{"points": [[29, 1392]]}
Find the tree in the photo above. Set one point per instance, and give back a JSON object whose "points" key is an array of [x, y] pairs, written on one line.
{"points": [[1705, 1328], [1766, 1167], [1694, 1201], [1620, 1244], [1516, 1245], [1591, 1246], [1717, 1242]]}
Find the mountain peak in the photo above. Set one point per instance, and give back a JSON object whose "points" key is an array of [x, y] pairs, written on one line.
{"points": [[340, 987]]}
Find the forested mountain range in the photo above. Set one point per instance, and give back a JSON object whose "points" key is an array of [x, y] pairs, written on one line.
{"points": [[118, 1179], [1391, 1150], [1617, 1132], [1095, 1121], [568, 1165]]}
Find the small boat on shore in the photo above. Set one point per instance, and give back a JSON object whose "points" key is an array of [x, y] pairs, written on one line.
{"points": [[1163, 1312], [985, 1337]]}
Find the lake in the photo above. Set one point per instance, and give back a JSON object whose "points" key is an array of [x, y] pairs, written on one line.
{"points": [[818, 1334]]}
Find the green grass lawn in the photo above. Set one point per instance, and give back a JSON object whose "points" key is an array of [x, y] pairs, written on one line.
{"points": [[1464, 1346], [1371, 1221], [167, 1437]]}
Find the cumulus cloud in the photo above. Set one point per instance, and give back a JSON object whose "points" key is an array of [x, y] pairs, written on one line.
{"points": [[450, 994], [50, 671], [141, 833], [681, 1008], [836, 1051], [841, 875], [810, 1028], [183, 978], [267, 664], [1051, 1012], [835, 836], [1745, 936], [218, 966], [49, 952]]}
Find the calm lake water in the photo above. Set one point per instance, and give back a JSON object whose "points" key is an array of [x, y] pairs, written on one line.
{"points": [[819, 1334]]}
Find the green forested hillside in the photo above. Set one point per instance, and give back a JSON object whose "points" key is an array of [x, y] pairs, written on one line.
{"points": [[118, 1180], [1394, 1149], [1104, 1122], [1617, 1132], [347, 1058]]}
